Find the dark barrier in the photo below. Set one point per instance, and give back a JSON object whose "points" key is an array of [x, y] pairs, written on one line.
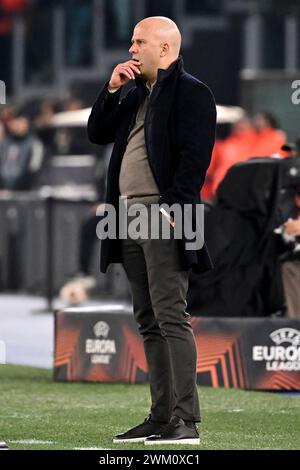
{"points": [[102, 344]]}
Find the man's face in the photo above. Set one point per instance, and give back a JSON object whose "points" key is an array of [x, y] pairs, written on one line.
{"points": [[146, 48]]}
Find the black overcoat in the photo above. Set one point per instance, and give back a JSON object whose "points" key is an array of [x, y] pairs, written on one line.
{"points": [[179, 134]]}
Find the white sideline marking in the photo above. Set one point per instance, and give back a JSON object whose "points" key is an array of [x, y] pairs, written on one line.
{"points": [[32, 441], [91, 448]]}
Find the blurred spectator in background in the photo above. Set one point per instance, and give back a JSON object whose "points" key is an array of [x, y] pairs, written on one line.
{"points": [[269, 139], [45, 115], [2, 132], [207, 191], [8, 9], [73, 104], [6, 114], [21, 155], [291, 235], [258, 138], [48, 107], [42, 122], [237, 147], [291, 270]]}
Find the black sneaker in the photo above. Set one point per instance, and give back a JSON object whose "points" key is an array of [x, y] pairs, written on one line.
{"points": [[141, 432], [3, 445], [176, 432]]}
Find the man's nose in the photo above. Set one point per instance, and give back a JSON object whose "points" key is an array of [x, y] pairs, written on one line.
{"points": [[132, 49]]}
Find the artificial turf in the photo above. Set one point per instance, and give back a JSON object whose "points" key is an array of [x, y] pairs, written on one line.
{"points": [[38, 413]]}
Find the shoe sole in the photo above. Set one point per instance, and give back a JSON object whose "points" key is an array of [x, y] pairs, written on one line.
{"points": [[192, 441], [136, 439]]}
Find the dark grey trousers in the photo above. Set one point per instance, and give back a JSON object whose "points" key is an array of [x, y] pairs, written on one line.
{"points": [[159, 286]]}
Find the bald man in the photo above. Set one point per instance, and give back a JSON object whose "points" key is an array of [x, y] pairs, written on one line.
{"points": [[163, 131]]}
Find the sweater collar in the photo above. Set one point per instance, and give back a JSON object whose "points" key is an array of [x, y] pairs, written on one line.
{"points": [[163, 74]]}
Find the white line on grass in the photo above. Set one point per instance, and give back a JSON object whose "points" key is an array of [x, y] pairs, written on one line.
{"points": [[32, 442], [91, 448]]}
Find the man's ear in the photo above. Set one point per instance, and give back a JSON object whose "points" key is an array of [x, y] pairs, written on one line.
{"points": [[164, 49]]}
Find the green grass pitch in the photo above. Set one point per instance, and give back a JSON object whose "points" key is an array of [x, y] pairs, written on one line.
{"points": [[38, 413]]}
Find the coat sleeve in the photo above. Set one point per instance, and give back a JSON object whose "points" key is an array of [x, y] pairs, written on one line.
{"points": [[104, 118], [196, 135]]}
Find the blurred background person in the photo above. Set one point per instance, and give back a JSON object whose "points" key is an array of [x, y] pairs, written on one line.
{"points": [[21, 155], [269, 137], [291, 260], [238, 146], [291, 269], [6, 114]]}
